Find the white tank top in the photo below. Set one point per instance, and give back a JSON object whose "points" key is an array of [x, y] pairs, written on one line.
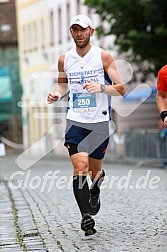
{"points": [[83, 106]]}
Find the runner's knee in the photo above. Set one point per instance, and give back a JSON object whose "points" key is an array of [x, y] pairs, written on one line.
{"points": [[80, 166]]}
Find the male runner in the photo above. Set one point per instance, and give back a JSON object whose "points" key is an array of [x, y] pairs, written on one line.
{"points": [[82, 70]]}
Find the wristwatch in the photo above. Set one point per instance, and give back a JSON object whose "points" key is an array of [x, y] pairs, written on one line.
{"points": [[103, 88]]}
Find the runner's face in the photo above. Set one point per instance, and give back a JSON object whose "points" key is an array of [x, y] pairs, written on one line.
{"points": [[81, 35]]}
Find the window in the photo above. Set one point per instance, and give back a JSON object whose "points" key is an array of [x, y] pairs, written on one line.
{"points": [[89, 12], [51, 28], [5, 27], [34, 36], [68, 21], [24, 39], [60, 25], [29, 43], [5, 91], [78, 6], [42, 34]]}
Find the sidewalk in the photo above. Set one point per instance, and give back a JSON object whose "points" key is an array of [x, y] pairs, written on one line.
{"points": [[42, 215]]}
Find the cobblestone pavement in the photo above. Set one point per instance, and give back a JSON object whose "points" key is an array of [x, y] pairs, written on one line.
{"points": [[42, 214]]}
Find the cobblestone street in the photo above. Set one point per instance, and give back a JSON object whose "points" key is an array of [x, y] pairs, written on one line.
{"points": [[39, 213]]}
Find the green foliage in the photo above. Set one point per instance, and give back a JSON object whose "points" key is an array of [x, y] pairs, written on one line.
{"points": [[140, 28]]}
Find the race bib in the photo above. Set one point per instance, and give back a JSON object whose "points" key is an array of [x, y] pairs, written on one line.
{"points": [[84, 101]]}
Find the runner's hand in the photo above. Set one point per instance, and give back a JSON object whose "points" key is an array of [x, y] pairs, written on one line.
{"points": [[52, 97], [92, 87]]}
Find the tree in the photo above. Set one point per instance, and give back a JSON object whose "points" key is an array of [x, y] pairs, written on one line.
{"points": [[140, 28]]}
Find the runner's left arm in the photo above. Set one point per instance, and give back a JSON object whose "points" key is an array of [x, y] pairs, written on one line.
{"points": [[109, 65]]}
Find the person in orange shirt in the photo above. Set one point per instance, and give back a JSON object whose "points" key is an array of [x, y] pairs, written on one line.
{"points": [[161, 97]]}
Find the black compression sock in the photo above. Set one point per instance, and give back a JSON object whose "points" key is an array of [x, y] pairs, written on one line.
{"points": [[81, 193], [95, 187]]}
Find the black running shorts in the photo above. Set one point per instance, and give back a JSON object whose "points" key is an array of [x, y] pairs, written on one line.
{"points": [[90, 138]]}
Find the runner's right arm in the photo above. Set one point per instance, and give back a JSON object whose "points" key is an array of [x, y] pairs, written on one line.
{"points": [[62, 84]]}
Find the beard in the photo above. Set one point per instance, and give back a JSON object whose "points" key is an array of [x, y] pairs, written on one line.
{"points": [[82, 44]]}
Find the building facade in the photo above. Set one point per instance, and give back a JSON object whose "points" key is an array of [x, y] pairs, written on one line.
{"points": [[10, 88], [33, 38]]}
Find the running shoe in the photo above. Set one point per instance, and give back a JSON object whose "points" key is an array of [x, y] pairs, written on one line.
{"points": [[94, 204], [87, 225]]}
